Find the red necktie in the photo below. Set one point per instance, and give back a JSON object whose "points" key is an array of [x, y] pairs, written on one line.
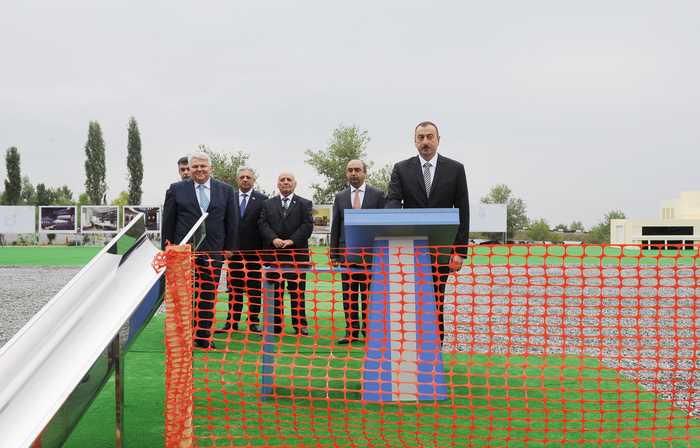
{"points": [[356, 203]]}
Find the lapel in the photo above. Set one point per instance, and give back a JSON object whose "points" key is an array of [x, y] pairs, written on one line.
{"points": [[292, 205], [367, 198], [213, 194], [439, 168], [348, 196], [418, 172]]}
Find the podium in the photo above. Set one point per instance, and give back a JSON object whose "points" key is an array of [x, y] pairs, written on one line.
{"points": [[404, 357]]}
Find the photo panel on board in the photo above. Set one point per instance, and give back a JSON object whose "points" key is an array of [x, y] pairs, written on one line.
{"points": [[100, 218], [322, 218], [152, 214], [58, 219]]}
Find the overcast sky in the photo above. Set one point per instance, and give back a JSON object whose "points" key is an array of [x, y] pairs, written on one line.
{"points": [[579, 107]]}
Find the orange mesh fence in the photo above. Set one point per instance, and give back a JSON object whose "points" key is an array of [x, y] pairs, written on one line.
{"points": [[524, 346]]}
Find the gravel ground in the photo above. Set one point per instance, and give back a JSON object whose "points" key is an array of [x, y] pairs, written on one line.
{"points": [[25, 290]]}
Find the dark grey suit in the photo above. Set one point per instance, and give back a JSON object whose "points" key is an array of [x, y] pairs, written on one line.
{"points": [[297, 225], [353, 306], [448, 190], [246, 268], [180, 212]]}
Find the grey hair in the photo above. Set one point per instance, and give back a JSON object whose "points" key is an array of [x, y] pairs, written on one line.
{"points": [[246, 168], [199, 155]]}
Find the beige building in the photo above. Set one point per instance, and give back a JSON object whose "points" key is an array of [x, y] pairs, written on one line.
{"points": [[679, 223]]}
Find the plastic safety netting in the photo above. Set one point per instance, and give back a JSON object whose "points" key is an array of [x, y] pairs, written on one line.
{"points": [[535, 346]]}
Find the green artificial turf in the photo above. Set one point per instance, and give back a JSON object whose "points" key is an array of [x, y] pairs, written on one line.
{"points": [[47, 255], [144, 401]]}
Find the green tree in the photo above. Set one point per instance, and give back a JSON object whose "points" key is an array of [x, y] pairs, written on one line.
{"points": [[562, 227], [516, 209], [28, 192], [13, 183], [95, 167], [44, 196], [225, 165], [380, 178], [600, 233], [348, 142], [63, 196], [538, 230], [122, 200], [134, 162], [576, 225]]}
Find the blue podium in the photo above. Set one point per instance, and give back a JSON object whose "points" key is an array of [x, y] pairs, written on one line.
{"points": [[403, 345]]}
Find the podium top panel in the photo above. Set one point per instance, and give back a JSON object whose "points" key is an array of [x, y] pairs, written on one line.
{"points": [[440, 225], [405, 216]]}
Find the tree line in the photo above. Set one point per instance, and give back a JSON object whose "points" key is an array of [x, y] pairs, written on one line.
{"points": [[20, 191], [346, 143]]}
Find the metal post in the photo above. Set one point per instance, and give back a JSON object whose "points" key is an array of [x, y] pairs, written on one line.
{"points": [[118, 363]]}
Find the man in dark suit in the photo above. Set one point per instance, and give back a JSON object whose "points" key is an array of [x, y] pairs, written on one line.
{"points": [[358, 196], [183, 168], [185, 202], [245, 268], [286, 223], [432, 181]]}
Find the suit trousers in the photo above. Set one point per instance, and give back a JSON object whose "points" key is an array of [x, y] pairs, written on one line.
{"points": [[355, 299], [295, 286], [206, 283], [245, 279], [441, 271]]}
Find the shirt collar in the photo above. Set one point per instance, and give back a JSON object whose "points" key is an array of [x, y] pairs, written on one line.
{"points": [[249, 192], [291, 195], [207, 184], [362, 187], [432, 161]]}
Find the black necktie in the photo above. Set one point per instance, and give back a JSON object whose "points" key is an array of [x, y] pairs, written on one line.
{"points": [[285, 205]]}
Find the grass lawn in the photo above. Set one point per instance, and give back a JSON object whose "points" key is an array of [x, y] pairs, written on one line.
{"points": [[47, 255]]}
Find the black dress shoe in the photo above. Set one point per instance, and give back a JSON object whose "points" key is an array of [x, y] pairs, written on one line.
{"points": [[203, 343], [305, 331], [345, 339], [255, 328], [225, 327]]}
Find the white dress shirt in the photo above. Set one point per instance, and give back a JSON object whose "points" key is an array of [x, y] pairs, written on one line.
{"points": [[207, 189]]}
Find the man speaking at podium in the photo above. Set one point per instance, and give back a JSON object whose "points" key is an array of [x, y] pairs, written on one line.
{"points": [[429, 180]]}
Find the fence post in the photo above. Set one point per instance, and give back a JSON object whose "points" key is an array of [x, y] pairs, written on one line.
{"points": [[178, 347]]}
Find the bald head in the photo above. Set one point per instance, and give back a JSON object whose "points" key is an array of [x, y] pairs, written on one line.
{"points": [[286, 183]]}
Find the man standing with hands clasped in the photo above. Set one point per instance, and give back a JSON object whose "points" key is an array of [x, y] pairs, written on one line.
{"points": [[358, 196], [429, 180], [286, 223]]}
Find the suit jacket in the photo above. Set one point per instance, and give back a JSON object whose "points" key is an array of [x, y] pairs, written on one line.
{"points": [[448, 190], [297, 226], [249, 236], [374, 198], [181, 211]]}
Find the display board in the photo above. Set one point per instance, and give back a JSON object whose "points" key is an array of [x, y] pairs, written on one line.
{"points": [[100, 219], [322, 218], [152, 214], [488, 217], [17, 219], [58, 219]]}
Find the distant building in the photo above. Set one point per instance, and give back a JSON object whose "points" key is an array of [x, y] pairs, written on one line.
{"points": [[679, 224]]}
